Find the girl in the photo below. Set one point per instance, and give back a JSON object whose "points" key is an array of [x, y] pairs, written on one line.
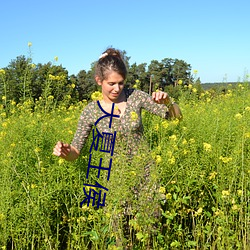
{"points": [[110, 74]]}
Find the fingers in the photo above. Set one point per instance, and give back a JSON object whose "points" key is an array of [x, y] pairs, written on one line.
{"points": [[61, 149], [160, 97]]}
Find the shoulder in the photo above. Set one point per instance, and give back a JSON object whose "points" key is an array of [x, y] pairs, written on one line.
{"points": [[90, 111], [136, 94]]}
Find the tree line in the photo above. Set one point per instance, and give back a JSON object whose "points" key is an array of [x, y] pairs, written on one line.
{"points": [[22, 79]]}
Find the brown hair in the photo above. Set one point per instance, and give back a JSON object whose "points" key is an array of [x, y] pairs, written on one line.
{"points": [[110, 60]]}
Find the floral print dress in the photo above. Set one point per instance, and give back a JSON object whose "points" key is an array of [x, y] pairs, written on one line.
{"points": [[129, 127]]}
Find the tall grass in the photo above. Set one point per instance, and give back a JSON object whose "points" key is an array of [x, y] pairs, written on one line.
{"points": [[201, 167]]}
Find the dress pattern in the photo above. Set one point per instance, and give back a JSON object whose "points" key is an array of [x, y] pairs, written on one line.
{"points": [[129, 129]]}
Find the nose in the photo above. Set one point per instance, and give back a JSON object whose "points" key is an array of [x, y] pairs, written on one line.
{"points": [[116, 87]]}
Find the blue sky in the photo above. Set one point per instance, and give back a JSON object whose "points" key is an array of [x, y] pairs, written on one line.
{"points": [[212, 36]]}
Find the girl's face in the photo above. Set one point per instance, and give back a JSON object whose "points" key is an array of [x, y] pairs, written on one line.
{"points": [[112, 86]]}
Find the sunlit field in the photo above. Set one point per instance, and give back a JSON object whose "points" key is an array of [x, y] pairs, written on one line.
{"points": [[201, 166]]}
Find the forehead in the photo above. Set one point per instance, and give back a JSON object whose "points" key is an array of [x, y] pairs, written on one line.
{"points": [[112, 76]]}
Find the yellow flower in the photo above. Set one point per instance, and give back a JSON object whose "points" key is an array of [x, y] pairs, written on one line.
{"points": [[191, 140], [133, 173], [190, 86], [198, 212], [4, 124], [51, 77], [61, 161], [225, 193], [168, 196], [235, 207], [56, 58], [164, 124], [29, 44], [156, 127], [50, 97], [212, 175], [247, 108], [194, 90], [2, 217], [137, 81], [247, 135], [13, 103], [195, 71], [96, 96], [180, 82], [239, 192], [184, 141], [173, 137], [162, 190], [73, 85], [238, 116], [158, 159], [135, 86], [2, 72], [133, 116], [33, 186], [225, 159], [171, 160], [3, 97], [207, 147], [37, 149]]}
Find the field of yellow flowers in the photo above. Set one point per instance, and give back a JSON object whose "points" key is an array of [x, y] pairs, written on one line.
{"points": [[202, 166]]}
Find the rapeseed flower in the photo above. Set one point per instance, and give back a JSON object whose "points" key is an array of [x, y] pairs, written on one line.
{"points": [[96, 96], [29, 44], [212, 175], [133, 116], [168, 196], [173, 137], [158, 159], [162, 190], [156, 127], [238, 116], [164, 124], [171, 160], [56, 58], [239, 192], [235, 207], [2, 72], [180, 82], [225, 193], [207, 147], [198, 212], [225, 159]]}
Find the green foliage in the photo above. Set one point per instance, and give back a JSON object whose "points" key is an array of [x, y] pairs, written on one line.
{"points": [[200, 166]]}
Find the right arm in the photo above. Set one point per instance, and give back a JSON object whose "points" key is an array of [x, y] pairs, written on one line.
{"points": [[70, 152]]}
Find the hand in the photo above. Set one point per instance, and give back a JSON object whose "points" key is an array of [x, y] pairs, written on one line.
{"points": [[62, 149], [161, 97]]}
